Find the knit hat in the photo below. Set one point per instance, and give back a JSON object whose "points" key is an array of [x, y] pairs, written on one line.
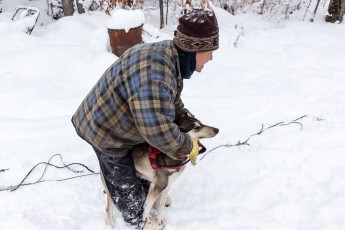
{"points": [[197, 32]]}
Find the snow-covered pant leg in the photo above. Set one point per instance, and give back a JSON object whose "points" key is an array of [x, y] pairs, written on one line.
{"points": [[126, 190]]}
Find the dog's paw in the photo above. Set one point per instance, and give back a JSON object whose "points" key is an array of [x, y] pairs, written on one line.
{"points": [[167, 201], [154, 224]]}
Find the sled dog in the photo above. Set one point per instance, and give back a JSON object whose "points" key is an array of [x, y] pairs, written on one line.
{"points": [[161, 179]]}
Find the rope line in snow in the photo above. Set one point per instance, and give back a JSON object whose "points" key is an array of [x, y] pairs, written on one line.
{"points": [[262, 130], [40, 180], [91, 172]]}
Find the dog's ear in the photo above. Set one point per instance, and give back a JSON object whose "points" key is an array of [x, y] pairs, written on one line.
{"points": [[188, 114], [185, 113], [185, 123]]}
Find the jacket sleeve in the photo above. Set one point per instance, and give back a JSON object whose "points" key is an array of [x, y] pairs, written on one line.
{"points": [[180, 110], [153, 111]]}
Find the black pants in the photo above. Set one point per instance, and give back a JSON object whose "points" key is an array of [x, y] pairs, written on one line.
{"points": [[126, 190]]}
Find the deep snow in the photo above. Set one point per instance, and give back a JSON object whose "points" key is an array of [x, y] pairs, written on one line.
{"points": [[288, 178]]}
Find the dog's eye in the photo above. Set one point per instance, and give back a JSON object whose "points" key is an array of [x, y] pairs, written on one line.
{"points": [[197, 129]]}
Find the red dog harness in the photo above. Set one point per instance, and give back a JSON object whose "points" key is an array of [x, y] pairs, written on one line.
{"points": [[154, 152]]}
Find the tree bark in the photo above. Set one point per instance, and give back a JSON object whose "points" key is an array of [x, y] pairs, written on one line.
{"points": [[314, 13], [166, 13], [67, 6], [161, 14], [80, 7]]}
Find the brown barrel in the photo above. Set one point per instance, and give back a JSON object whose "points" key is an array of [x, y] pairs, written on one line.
{"points": [[120, 41]]}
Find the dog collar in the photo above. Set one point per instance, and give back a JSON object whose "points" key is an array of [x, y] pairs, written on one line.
{"points": [[154, 152]]}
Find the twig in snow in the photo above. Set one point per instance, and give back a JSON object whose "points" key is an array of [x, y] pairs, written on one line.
{"points": [[240, 33]]}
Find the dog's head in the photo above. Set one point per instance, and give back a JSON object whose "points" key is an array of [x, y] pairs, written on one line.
{"points": [[188, 124]]}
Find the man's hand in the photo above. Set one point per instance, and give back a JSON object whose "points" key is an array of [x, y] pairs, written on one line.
{"points": [[194, 153]]}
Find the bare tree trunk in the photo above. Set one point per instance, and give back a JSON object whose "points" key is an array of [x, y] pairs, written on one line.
{"points": [[314, 13], [80, 7], [263, 7], [67, 6], [306, 11], [161, 14], [166, 13], [287, 12]]}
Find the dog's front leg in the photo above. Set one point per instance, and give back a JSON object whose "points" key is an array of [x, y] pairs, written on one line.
{"points": [[152, 196], [152, 211], [158, 206]]}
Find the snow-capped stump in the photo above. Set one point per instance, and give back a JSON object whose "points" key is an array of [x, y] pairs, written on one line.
{"points": [[125, 28]]}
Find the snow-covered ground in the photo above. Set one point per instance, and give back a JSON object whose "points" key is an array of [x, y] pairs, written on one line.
{"points": [[288, 178]]}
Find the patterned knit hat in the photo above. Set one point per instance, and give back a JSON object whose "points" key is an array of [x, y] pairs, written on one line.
{"points": [[197, 32]]}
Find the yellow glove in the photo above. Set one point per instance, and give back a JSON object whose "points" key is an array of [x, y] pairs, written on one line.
{"points": [[194, 153]]}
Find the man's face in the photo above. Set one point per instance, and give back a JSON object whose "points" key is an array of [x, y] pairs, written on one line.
{"points": [[201, 59]]}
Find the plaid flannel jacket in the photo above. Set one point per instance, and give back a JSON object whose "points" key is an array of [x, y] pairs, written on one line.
{"points": [[136, 101]]}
